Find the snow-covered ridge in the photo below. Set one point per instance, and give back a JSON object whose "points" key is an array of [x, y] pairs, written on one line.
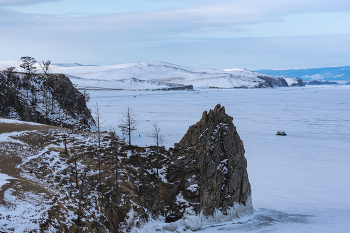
{"points": [[158, 75], [335, 75], [161, 74]]}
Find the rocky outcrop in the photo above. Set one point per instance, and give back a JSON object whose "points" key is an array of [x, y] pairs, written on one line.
{"points": [[298, 82], [274, 82], [321, 82], [48, 99], [208, 168]]}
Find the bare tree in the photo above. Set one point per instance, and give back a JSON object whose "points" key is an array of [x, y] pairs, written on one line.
{"points": [[75, 170], [65, 136], [80, 188], [116, 169], [158, 138], [28, 64], [99, 121], [86, 96], [98, 153], [45, 66], [128, 123]]}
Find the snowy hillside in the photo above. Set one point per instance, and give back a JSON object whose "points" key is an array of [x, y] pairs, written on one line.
{"points": [[47, 99], [159, 75], [340, 75]]}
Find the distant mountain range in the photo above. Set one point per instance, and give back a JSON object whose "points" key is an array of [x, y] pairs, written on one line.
{"points": [[161, 76], [327, 75]]}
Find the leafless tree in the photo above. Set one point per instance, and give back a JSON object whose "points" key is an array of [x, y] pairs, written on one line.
{"points": [[80, 188], [45, 66], [128, 123], [99, 121], [158, 138], [75, 169], [65, 136], [86, 96]]}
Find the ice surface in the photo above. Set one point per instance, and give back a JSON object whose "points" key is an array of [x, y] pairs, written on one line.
{"points": [[305, 174]]}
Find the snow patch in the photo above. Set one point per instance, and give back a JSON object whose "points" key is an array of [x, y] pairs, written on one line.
{"points": [[193, 188], [23, 215], [4, 179]]}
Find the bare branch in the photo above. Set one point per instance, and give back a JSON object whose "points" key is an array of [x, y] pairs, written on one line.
{"points": [[45, 66], [156, 135], [99, 121], [128, 123]]}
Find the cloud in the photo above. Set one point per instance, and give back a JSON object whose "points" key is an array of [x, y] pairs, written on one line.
{"points": [[203, 14], [130, 36], [22, 2], [163, 25], [231, 15]]}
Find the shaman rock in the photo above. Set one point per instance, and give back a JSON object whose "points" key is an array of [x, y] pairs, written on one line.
{"points": [[208, 169]]}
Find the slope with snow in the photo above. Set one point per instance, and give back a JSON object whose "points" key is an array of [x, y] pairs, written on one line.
{"points": [[147, 75], [340, 75], [154, 75]]}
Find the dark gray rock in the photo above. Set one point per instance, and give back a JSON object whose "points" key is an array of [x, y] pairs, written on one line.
{"points": [[274, 82], [209, 168]]}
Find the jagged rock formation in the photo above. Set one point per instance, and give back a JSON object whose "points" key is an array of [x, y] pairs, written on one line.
{"points": [[48, 99], [208, 168]]}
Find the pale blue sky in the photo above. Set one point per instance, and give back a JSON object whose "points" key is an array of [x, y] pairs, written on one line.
{"points": [[96, 7], [250, 34]]}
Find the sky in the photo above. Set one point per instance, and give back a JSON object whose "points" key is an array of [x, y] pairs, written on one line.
{"points": [[221, 34]]}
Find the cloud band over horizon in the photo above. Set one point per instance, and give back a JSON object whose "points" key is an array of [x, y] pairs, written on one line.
{"points": [[107, 38]]}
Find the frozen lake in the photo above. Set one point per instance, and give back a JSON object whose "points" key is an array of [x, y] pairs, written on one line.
{"points": [[300, 183]]}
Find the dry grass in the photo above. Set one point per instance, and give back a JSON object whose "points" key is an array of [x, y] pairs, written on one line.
{"points": [[11, 155]]}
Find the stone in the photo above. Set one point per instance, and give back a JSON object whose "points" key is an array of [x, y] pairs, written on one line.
{"points": [[208, 169]]}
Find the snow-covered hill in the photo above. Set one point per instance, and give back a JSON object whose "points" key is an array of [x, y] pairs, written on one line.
{"points": [[160, 75], [326, 75]]}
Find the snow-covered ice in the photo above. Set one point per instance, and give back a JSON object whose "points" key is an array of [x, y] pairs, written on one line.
{"points": [[300, 182]]}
